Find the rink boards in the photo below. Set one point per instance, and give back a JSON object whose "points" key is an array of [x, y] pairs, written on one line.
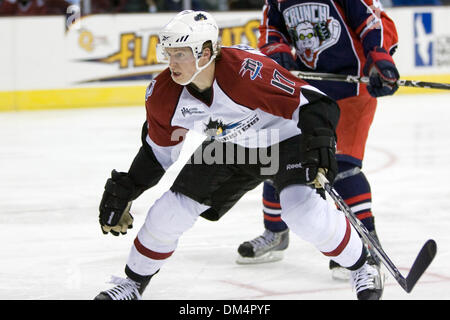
{"points": [[107, 60]]}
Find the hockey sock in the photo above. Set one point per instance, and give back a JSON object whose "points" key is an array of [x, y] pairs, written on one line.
{"points": [[272, 209], [353, 186], [142, 280]]}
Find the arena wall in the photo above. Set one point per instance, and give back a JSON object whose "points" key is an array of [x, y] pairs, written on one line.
{"points": [[108, 60]]}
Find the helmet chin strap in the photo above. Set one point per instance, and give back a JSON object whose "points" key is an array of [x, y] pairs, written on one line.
{"points": [[199, 69]]}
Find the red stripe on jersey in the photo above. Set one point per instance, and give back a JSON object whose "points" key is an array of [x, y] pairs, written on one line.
{"points": [[274, 205], [262, 40], [343, 243], [358, 198], [357, 44], [364, 215], [361, 27], [272, 218], [150, 253], [390, 36]]}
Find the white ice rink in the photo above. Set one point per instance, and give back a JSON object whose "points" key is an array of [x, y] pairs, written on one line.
{"points": [[54, 165]]}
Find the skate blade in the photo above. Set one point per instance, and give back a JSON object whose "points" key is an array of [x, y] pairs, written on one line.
{"points": [[271, 256], [340, 274]]}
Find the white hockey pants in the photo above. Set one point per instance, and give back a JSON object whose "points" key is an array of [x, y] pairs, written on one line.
{"points": [[304, 211]]}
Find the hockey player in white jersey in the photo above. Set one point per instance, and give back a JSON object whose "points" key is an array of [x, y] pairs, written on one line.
{"points": [[251, 109]]}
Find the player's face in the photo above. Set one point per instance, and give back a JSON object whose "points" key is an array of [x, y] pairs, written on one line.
{"points": [[181, 63]]}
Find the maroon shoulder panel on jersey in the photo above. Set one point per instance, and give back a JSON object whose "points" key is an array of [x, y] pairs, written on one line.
{"points": [[257, 82], [161, 100]]}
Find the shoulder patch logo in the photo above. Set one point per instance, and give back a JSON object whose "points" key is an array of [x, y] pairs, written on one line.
{"points": [[253, 66], [149, 90]]}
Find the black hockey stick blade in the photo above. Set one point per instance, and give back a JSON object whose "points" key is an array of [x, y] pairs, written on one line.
{"points": [[423, 260]]}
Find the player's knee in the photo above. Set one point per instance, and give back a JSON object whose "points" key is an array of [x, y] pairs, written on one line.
{"points": [[300, 204], [171, 216]]}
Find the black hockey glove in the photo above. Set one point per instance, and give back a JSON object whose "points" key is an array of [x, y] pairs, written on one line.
{"points": [[319, 151], [322, 31], [381, 70], [281, 53], [115, 205]]}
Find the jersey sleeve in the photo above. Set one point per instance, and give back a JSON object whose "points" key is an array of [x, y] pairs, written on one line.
{"points": [[370, 23], [161, 142], [272, 27], [162, 137]]}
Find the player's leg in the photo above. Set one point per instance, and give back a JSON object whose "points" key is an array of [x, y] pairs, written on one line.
{"points": [[166, 221], [319, 222], [269, 246], [357, 114], [356, 117], [197, 188]]}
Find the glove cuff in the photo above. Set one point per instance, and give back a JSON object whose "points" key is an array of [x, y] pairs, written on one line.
{"points": [[121, 186]]}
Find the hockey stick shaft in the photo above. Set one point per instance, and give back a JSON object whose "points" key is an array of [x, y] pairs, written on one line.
{"points": [[421, 263], [358, 79]]}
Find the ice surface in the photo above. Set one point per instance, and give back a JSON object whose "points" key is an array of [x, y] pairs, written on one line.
{"points": [[54, 165]]}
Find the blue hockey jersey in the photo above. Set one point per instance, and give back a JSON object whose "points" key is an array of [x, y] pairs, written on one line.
{"points": [[329, 36]]}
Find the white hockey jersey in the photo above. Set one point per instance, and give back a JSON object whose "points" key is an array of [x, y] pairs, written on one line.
{"points": [[255, 103]]}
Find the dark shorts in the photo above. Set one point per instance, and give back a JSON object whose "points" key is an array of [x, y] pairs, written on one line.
{"points": [[219, 174]]}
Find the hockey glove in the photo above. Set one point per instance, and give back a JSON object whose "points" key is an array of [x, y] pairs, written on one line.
{"points": [[115, 205], [281, 53], [125, 223], [382, 73], [319, 151]]}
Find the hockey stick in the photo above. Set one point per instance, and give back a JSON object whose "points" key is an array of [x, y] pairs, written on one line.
{"points": [[358, 79], [419, 266]]}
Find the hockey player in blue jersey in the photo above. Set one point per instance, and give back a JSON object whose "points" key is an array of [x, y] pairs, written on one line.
{"points": [[343, 37]]}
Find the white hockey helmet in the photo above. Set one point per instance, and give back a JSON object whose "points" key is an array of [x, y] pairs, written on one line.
{"points": [[189, 29]]}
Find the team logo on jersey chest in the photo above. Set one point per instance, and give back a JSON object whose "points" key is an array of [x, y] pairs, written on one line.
{"points": [[223, 132], [215, 128], [312, 29]]}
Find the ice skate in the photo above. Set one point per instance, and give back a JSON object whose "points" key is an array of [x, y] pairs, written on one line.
{"points": [[343, 274], [267, 247], [338, 272], [125, 289], [368, 281]]}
